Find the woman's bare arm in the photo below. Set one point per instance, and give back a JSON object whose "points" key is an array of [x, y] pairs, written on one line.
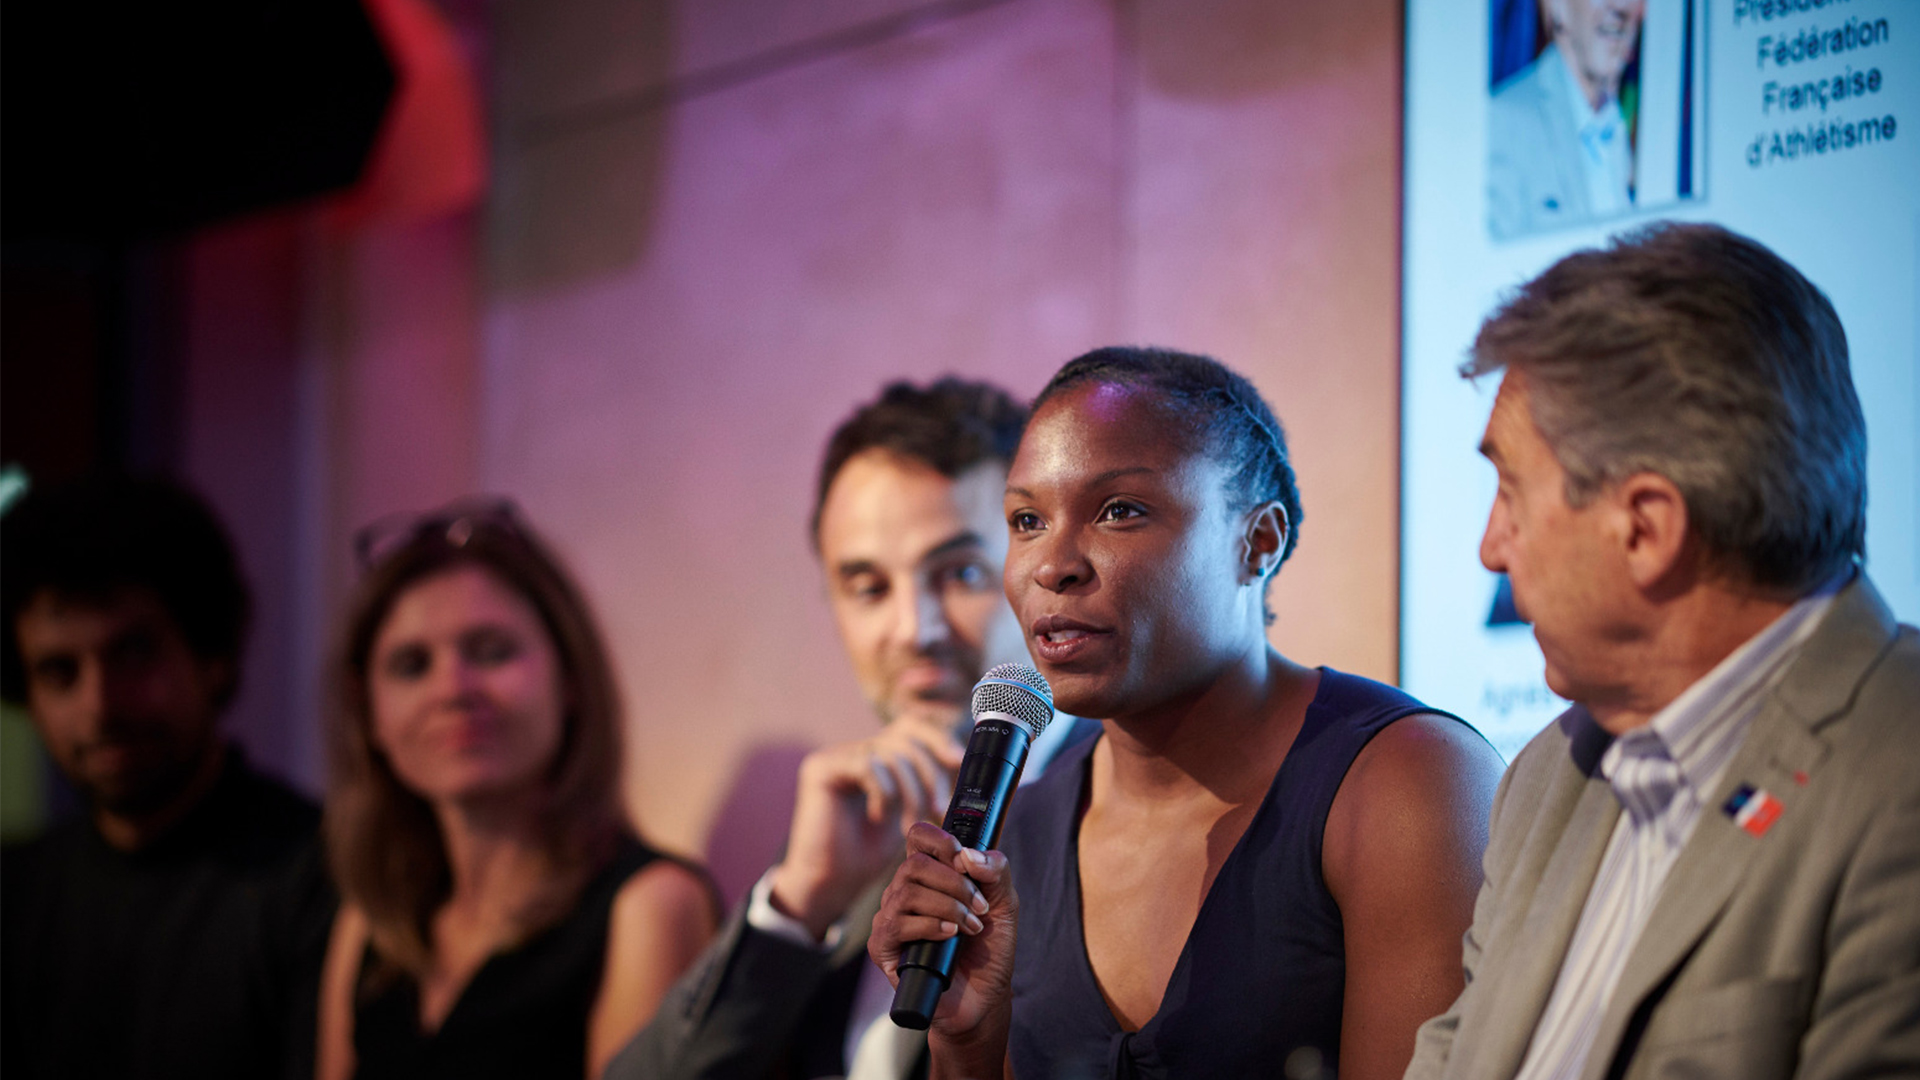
{"points": [[333, 1054], [662, 917], [1402, 859]]}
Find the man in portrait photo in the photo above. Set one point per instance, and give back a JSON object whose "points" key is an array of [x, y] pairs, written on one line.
{"points": [[1560, 139]]}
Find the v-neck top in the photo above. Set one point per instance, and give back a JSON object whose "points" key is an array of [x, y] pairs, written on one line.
{"points": [[524, 1014], [1261, 976]]}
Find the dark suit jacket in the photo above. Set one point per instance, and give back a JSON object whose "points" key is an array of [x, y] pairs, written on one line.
{"points": [[755, 1005], [1795, 953]]}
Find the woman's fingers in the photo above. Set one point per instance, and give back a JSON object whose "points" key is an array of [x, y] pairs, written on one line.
{"points": [[930, 898], [937, 862], [941, 891], [936, 889], [930, 839], [989, 868]]}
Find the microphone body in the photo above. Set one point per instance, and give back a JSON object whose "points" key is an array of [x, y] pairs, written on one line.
{"points": [[1011, 705]]}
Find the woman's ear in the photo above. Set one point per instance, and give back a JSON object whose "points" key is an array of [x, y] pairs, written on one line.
{"points": [[1264, 540]]}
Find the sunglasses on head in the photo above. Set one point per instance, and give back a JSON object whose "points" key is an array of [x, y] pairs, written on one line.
{"points": [[455, 524]]}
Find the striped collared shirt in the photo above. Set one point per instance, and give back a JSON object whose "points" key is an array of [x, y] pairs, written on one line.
{"points": [[1661, 773]]}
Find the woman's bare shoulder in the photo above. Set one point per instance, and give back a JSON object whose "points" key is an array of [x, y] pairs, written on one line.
{"points": [[665, 889], [1420, 789]]}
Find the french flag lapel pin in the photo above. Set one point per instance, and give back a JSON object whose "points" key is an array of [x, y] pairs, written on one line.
{"points": [[1753, 809]]}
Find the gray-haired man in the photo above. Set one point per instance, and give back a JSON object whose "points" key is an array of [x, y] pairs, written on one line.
{"points": [[1710, 865]]}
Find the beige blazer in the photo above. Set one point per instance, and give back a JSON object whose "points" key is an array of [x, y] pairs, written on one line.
{"points": [[1795, 953]]}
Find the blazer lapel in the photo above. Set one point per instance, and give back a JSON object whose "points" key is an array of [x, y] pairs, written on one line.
{"points": [[1537, 944], [1704, 876], [1781, 743]]}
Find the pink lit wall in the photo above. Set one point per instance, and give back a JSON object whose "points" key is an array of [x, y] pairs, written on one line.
{"points": [[715, 225]]}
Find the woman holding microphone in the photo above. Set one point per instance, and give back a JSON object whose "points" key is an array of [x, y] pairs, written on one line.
{"points": [[1258, 868]]}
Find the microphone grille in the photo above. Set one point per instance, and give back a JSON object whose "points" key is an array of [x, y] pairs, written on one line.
{"points": [[1018, 691]]}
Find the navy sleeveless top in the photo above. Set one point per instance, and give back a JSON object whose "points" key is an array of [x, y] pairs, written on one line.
{"points": [[525, 1012], [1262, 973]]}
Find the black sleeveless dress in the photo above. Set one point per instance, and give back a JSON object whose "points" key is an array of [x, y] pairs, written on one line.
{"points": [[1260, 979], [523, 1015]]}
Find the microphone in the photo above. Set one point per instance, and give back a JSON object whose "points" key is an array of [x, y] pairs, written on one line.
{"points": [[1012, 705]]}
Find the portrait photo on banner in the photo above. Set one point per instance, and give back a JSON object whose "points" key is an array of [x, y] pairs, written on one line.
{"points": [[1594, 110]]}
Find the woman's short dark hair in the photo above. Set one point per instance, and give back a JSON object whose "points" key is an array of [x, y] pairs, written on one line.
{"points": [[383, 841], [92, 538], [950, 425], [1697, 354], [1216, 407]]}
